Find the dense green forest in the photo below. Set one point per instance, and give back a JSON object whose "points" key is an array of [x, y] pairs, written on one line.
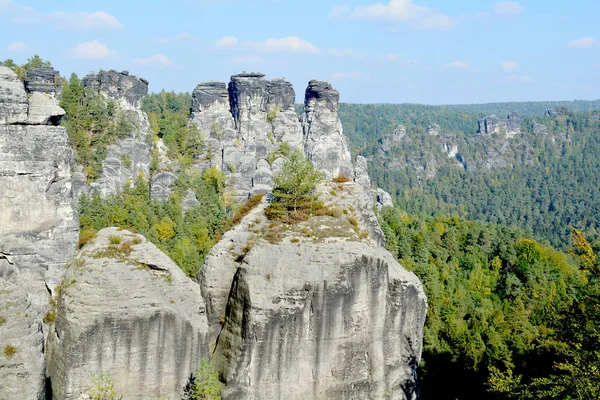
{"points": [[542, 180], [508, 317]]}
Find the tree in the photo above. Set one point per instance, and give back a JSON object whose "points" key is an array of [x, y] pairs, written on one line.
{"points": [[103, 388], [205, 383], [295, 187]]}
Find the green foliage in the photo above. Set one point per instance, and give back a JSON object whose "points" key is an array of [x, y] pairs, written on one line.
{"points": [[2, 320], [21, 70], [295, 188], [92, 125], [9, 350], [205, 384], [285, 149], [493, 296], [187, 240], [103, 388], [168, 113], [271, 115]]}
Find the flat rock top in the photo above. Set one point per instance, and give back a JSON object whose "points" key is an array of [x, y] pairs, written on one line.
{"points": [[122, 275], [8, 75]]}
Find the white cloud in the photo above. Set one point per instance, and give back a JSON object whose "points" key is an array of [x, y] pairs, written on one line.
{"points": [[157, 60], [457, 65], [347, 75], [291, 44], [398, 11], [520, 78], [588, 42], [509, 66], [77, 20], [17, 47], [339, 11], [227, 41], [182, 37], [6, 6], [93, 50], [250, 59], [508, 9]]}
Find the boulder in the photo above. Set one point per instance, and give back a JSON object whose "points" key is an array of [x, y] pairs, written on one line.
{"points": [[162, 186], [22, 366], [324, 141], [321, 311], [13, 99], [125, 309], [44, 110]]}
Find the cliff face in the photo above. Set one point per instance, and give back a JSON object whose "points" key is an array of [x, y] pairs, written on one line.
{"points": [[38, 223], [321, 312], [126, 309], [127, 91]]}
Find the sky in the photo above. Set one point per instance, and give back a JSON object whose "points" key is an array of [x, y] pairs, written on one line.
{"points": [[386, 51]]}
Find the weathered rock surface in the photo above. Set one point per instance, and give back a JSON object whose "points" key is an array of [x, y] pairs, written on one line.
{"points": [[383, 198], [434, 129], [43, 80], [323, 313], [128, 158], [44, 110], [243, 124], [493, 125], [162, 186], [13, 99], [22, 373], [324, 141], [126, 309]]}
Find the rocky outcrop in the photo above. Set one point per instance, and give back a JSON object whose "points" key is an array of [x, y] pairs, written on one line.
{"points": [[127, 310], [434, 130], [324, 141], [162, 186], [321, 311], [244, 124], [129, 158], [13, 99], [38, 230], [22, 366], [539, 129], [393, 140], [492, 125]]}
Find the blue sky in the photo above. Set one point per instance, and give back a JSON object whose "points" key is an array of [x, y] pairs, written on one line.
{"points": [[392, 51]]}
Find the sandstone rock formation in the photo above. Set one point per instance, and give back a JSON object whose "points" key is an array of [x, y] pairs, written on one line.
{"points": [[321, 312], [493, 125], [22, 363], [127, 310], [433, 130], [244, 124], [324, 141], [393, 140], [38, 228], [162, 186], [125, 160], [43, 85]]}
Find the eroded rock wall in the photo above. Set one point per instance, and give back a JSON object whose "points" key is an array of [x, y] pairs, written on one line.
{"points": [[129, 312]]}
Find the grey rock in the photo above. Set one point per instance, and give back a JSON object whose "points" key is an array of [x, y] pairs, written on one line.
{"points": [[127, 90], [38, 221], [162, 186], [492, 125], [281, 95], [44, 110], [134, 316], [22, 375], [43, 80], [434, 130], [324, 141], [361, 173], [383, 198], [263, 174], [13, 99], [333, 317], [248, 98], [190, 201], [392, 140], [211, 110], [124, 162], [539, 128]]}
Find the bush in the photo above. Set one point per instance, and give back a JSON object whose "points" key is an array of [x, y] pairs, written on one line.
{"points": [[271, 115], [341, 178], [103, 388], [9, 350], [205, 384], [49, 317], [114, 239], [2, 320], [245, 209], [85, 236]]}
